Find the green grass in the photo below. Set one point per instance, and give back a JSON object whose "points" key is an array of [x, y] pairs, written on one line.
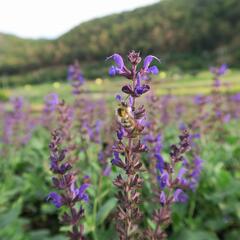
{"points": [[212, 212], [177, 84]]}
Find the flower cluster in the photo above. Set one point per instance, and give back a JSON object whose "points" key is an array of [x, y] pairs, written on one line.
{"points": [[152, 137], [217, 73], [50, 105], [65, 181], [75, 77], [219, 113], [138, 88], [171, 185], [85, 110], [18, 124], [128, 145], [193, 173]]}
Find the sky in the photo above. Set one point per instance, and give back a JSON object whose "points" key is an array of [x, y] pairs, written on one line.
{"points": [[52, 18]]}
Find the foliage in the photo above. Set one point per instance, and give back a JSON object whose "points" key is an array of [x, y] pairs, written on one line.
{"points": [[190, 33], [212, 212]]}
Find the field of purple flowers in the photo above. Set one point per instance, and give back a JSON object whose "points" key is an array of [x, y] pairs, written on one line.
{"points": [[143, 166]]}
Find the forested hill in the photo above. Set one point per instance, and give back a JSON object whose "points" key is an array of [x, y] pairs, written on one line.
{"points": [[189, 33]]}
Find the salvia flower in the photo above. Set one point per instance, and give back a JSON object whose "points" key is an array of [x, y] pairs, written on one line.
{"points": [[119, 68], [65, 182], [18, 124], [131, 123], [75, 77], [171, 184], [55, 199], [146, 65], [51, 102]]}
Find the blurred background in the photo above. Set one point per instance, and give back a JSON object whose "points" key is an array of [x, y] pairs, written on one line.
{"points": [[38, 42], [45, 36]]}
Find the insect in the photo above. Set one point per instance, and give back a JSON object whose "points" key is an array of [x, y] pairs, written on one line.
{"points": [[126, 118]]}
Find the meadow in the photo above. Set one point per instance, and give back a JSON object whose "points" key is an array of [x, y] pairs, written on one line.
{"points": [[87, 122], [177, 83]]}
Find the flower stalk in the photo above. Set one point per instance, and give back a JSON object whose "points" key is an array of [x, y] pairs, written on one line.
{"points": [[130, 118]]}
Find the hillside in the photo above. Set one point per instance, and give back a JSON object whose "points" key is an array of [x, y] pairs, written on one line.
{"points": [[189, 33], [175, 30]]}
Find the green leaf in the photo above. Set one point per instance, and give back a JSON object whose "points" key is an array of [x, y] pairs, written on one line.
{"points": [[12, 215], [105, 210], [195, 235]]}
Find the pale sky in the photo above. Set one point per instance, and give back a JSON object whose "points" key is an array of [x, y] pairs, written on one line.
{"points": [[51, 18]]}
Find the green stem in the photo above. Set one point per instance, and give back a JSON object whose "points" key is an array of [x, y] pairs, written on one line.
{"points": [[95, 207]]}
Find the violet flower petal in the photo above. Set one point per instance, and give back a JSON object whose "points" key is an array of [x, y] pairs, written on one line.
{"points": [[153, 70], [148, 60], [118, 60], [179, 196], [162, 198], [56, 199]]}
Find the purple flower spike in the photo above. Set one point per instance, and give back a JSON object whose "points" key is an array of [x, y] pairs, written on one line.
{"points": [[64, 181], [56, 199], [17, 102], [180, 196], [195, 175]]}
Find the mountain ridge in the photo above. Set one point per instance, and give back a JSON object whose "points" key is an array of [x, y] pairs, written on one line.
{"points": [[187, 33]]}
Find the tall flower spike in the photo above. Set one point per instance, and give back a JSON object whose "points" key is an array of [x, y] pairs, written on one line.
{"points": [[64, 181], [170, 187], [75, 77], [130, 121]]}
